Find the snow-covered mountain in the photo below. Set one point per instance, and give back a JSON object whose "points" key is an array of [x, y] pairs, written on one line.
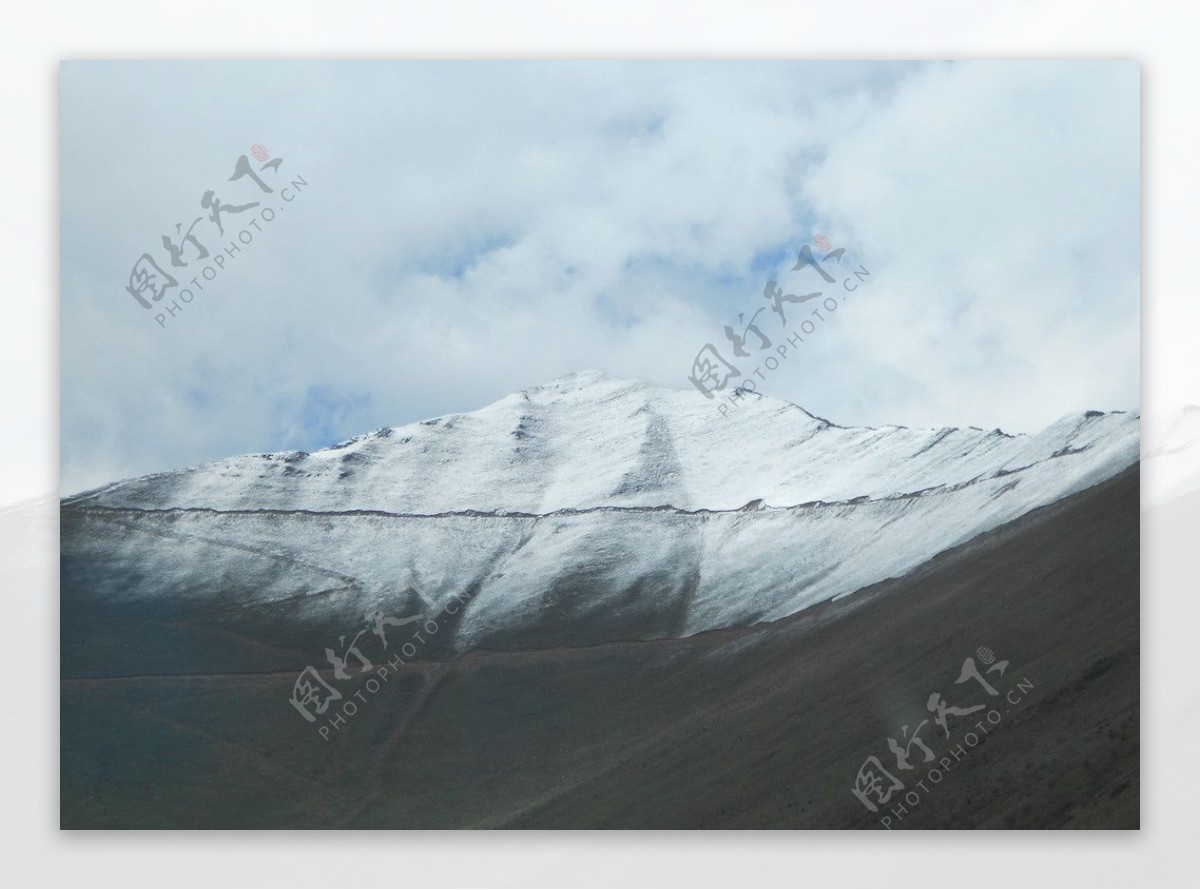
{"points": [[584, 510]]}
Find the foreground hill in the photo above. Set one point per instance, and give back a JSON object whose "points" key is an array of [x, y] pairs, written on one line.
{"points": [[762, 727]]}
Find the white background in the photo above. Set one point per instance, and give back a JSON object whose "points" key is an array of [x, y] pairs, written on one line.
{"points": [[1164, 37]]}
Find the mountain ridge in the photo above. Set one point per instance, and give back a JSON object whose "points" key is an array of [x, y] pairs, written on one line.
{"points": [[643, 445], [583, 510]]}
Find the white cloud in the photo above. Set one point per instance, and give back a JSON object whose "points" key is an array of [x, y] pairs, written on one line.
{"points": [[469, 229]]}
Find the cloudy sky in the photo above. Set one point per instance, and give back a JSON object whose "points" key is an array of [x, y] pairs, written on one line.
{"points": [[469, 229]]}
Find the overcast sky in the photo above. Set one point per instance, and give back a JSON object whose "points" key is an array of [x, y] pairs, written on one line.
{"points": [[469, 229]]}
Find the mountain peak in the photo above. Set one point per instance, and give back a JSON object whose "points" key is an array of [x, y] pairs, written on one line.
{"points": [[585, 377], [588, 379], [590, 440]]}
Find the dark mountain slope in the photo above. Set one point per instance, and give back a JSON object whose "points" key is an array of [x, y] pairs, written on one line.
{"points": [[170, 722]]}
